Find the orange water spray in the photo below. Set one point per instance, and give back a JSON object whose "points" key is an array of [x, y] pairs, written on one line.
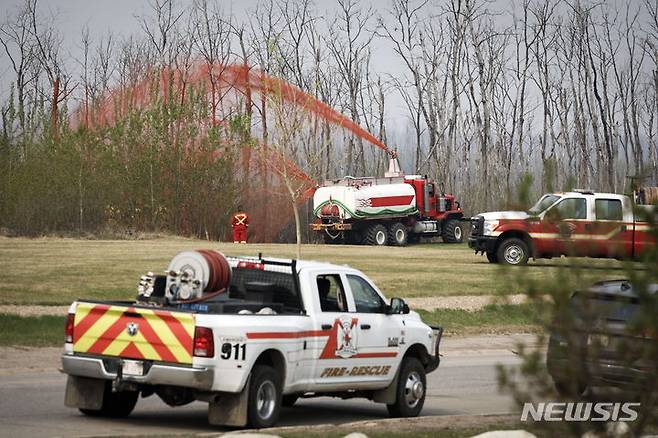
{"points": [[157, 85]]}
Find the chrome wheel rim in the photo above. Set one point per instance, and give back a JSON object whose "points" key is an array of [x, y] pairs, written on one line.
{"points": [[265, 399], [513, 254], [458, 233], [399, 235], [413, 389], [380, 237]]}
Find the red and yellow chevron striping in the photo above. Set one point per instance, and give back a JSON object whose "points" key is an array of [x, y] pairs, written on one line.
{"points": [[133, 332]]}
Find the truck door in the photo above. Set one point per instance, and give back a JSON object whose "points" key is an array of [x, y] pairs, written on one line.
{"points": [[573, 228], [333, 339], [379, 335], [612, 232]]}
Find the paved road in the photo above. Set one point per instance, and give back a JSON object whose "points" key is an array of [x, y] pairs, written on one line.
{"points": [[32, 394]]}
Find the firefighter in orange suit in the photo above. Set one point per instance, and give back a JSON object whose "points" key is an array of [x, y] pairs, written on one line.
{"points": [[240, 224]]}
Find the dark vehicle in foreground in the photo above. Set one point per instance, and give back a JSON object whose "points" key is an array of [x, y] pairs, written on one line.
{"points": [[605, 339]]}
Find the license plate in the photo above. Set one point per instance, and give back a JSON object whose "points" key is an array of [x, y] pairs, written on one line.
{"points": [[132, 368]]}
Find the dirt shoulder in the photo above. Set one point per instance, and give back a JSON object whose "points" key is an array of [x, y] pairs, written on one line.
{"points": [[419, 426], [471, 303], [31, 359], [33, 310]]}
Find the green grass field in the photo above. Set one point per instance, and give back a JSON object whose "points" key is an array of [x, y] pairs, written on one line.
{"points": [[58, 271], [42, 331], [492, 319]]}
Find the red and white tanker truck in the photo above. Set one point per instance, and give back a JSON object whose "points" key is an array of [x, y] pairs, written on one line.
{"points": [[394, 210]]}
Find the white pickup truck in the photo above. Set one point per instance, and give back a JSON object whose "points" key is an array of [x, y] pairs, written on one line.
{"points": [[281, 330]]}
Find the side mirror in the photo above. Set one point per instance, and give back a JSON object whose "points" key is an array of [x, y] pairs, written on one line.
{"points": [[398, 306]]}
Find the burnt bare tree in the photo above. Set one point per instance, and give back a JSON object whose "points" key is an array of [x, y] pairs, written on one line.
{"points": [[565, 90]]}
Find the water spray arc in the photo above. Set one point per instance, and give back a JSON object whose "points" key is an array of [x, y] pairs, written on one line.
{"points": [[225, 84]]}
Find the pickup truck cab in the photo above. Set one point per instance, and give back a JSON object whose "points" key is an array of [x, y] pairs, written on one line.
{"points": [[284, 329], [578, 223]]}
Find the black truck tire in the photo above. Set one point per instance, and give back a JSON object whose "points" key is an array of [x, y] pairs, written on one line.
{"points": [[353, 237], [377, 235], [573, 390], [411, 390], [115, 404], [513, 251], [331, 241], [398, 235], [289, 400], [413, 238], [264, 402], [453, 231]]}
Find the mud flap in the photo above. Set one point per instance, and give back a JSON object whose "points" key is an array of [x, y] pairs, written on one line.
{"points": [[387, 395], [230, 409], [84, 393]]}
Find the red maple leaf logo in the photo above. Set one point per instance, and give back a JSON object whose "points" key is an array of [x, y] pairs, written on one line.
{"points": [[346, 338]]}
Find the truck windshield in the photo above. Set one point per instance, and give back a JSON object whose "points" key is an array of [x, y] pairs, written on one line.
{"points": [[543, 203]]}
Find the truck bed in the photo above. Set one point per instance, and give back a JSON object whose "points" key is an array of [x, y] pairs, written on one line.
{"points": [[128, 330]]}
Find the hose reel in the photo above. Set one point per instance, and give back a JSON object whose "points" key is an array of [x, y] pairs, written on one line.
{"points": [[191, 276]]}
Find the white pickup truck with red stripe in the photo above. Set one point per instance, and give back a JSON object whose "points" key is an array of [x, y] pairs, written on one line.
{"points": [[579, 223], [282, 330]]}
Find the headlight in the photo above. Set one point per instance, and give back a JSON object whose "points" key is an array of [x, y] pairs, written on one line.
{"points": [[489, 226]]}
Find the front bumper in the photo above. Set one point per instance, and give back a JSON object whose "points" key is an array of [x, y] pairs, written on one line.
{"points": [[435, 358], [156, 373], [337, 226], [482, 243]]}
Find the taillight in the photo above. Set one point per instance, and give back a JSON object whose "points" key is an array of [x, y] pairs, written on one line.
{"points": [[251, 265], [204, 346], [68, 330]]}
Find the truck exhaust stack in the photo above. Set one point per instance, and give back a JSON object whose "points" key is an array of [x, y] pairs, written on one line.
{"points": [[394, 169]]}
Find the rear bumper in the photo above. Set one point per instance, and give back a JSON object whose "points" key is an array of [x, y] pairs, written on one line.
{"points": [[600, 374], [482, 243], [156, 374], [594, 372], [338, 226], [617, 374]]}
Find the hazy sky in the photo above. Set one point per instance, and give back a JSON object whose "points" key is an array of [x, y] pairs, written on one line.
{"points": [[120, 18], [100, 16]]}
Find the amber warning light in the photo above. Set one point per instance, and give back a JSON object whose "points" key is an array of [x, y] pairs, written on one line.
{"points": [[251, 265]]}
